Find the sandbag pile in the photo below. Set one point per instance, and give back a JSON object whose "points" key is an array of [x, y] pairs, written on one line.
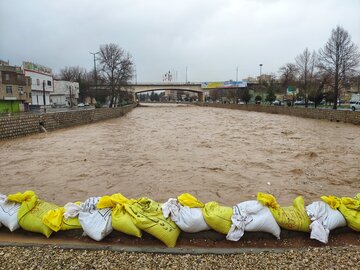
{"points": [[252, 216], [186, 212], [99, 216]]}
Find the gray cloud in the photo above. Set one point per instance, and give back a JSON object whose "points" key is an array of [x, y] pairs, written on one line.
{"points": [[210, 37]]}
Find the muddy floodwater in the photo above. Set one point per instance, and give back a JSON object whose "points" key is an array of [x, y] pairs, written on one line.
{"points": [[163, 151]]}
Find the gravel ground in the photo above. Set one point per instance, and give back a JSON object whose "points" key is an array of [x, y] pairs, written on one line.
{"points": [[56, 258]]}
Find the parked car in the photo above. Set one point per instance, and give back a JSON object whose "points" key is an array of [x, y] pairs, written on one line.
{"points": [[299, 102], [277, 103], [81, 105], [355, 106]]}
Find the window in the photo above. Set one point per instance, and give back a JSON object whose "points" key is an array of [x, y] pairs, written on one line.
{"points": [[49, 83], [19, 77], [7, 77], [8, 89], [28, 81], [21, 90], [30, 95], [38, 81]]}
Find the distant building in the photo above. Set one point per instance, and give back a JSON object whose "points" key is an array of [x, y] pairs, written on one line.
{"points": [[15, 89], [42, 81], [65, 93], [265, 78], [251, 80]]}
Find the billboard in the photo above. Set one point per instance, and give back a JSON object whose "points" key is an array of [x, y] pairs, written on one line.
{"points": [[226, 84], [292, 90], [37, 67]]}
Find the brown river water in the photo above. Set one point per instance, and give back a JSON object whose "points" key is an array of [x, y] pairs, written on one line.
{"points": [[163, 151]]}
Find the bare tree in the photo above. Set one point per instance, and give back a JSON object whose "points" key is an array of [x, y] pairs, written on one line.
{"points": [[338, 59], [288, 73], [72, 74], [305, 63], [116, 68]]}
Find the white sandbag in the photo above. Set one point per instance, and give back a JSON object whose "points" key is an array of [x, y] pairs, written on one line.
{"points": [[324, 219], [252, 216], [187, 219], [72, 210], [171, 208], [9, 213], [96, 223]]}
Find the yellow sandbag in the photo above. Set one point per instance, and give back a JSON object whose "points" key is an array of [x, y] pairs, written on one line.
{"points": [[348, 207], [120, 219], [293, 218], [31, 212], [55, 220], [148, 216], [218, 217], [332, 201], [111, 201], [187, 199]]}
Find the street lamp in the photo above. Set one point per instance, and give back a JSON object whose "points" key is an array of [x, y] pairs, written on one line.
{"points": [[260, 72], [135, 75]]}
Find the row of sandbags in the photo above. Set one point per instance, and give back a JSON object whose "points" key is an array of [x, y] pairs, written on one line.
{"points": [[98, 216]]}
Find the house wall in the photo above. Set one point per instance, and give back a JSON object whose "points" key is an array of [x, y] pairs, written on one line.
{"points": [[37, 79]]}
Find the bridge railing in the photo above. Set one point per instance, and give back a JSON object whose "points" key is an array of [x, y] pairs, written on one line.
{"points": [[166, 83]]}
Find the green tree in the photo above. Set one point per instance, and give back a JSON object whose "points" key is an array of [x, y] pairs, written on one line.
{"points": [[245, 96], [258, 99], [270, 91]]}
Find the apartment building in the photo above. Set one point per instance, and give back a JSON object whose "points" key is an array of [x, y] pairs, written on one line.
{"points": [[42, 83], [65, 93], [15, 88]]}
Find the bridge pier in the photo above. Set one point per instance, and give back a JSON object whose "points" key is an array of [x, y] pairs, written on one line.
{"points": [[201, 97]]}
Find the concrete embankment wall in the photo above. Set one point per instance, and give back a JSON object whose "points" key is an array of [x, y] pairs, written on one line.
{"points": [[346, 116], [26, 124]]}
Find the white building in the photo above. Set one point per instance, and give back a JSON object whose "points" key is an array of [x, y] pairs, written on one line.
{"points": [[65, 93], [42, 80]]}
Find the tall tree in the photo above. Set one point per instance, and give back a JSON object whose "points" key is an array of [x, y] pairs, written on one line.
{"points": [[338, 58], [116, 68], [305, 63]]}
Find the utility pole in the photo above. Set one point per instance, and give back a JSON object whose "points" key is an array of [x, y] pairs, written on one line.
{"points": [[186, 79], [44, 95], [95, 74], [70, 93], [237, 73]]}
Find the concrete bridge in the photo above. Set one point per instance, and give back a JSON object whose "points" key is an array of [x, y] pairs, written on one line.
{"points": [[191, 87], [145, 87]]}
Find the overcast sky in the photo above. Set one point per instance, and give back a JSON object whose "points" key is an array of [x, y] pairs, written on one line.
{"points": [[209, 37]]}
